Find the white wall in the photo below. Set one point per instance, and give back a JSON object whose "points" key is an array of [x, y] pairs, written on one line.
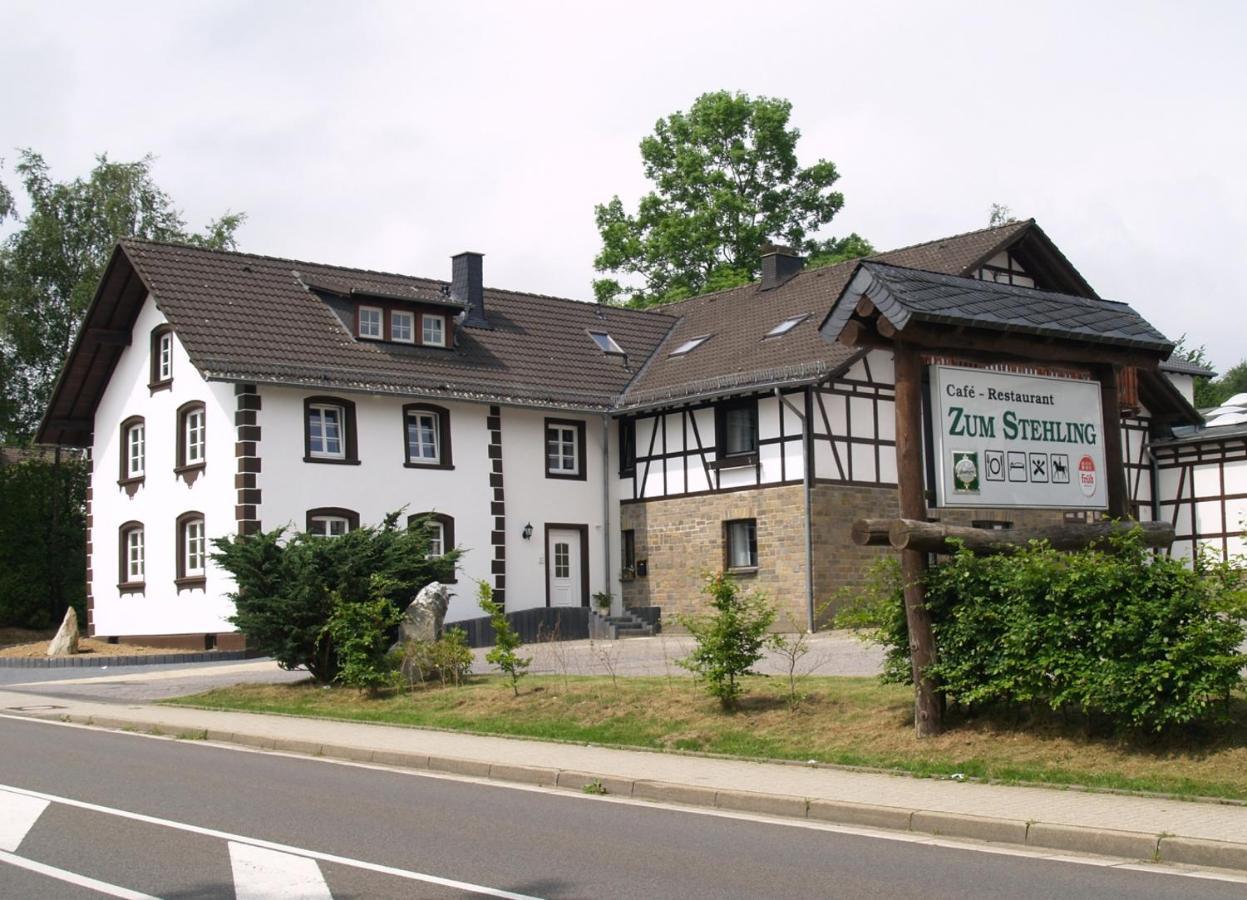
{"points": [[161, 608], [533, 498]]}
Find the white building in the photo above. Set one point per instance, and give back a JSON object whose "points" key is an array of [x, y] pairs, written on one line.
{"points": [[568, 448]]}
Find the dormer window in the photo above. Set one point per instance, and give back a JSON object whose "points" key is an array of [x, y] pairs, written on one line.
{"points": [[690, 345], [371, 323], [606, 343], [403, 327], [433, 330], [787, 325]]}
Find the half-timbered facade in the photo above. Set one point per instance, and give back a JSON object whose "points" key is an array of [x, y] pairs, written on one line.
{"points": [[566, 447]]}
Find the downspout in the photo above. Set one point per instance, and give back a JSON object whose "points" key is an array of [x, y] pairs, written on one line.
{"points": [[606, 509], [806, 447]]}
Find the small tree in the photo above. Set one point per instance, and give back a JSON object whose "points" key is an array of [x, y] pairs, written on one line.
{"points": [[360, 634], [506, 641], [729, 640]]}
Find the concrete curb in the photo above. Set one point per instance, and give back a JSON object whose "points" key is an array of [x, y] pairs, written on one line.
{"points": [[1167, 848], [91, 661]]}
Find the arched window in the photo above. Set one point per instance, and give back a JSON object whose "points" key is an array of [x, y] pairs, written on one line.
{"points": [[192, 551], [133, 452], [132, 558], [331, 521], [441, 531], [192, 440], [426, 436], [161, 358], [329, 434]]}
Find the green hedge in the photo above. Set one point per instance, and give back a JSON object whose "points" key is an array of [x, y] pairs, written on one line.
{"points": [[42, 542], [1145, 642]]}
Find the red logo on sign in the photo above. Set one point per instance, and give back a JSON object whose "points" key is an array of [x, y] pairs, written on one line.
{"points": [[1086, 475]]}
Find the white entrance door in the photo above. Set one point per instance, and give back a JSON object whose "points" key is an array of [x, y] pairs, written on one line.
{"points": [[563, 567]]}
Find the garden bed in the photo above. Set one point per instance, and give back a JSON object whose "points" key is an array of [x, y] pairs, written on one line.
{"points": [[846, 721]]}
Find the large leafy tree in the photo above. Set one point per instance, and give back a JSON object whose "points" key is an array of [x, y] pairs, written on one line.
{"points": [[1210, 392], [726, 181], [50, 265]]}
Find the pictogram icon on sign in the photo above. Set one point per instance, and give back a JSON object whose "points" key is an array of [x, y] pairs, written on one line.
{"points": [[1060, 468], [1017, 465], [1039, 467], [994, 464]]}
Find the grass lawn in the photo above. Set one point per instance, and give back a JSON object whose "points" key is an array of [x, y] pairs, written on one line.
{"points": [[849, 721]]}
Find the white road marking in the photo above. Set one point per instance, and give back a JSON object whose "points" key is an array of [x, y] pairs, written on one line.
{"points": [[261, 874], [102, 887], [273, 845], [1161, 868], [18, 814]]}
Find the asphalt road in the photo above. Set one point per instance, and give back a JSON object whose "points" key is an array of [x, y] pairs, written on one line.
{"points": [[146, 817]]}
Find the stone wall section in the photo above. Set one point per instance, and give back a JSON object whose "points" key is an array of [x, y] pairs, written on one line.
{"points": [[681, 539]]}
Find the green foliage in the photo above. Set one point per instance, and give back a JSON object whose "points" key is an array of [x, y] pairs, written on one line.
{"points": [[1144, 642], [1000, 215], [876, 610], [1210, 392], [286, 588], [506, 642], [42, 542], [359, 630], [50, 267], [448, 659], [725, 181], [729, 640]]}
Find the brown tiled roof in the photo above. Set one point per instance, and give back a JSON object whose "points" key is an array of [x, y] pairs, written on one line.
{"points": [[250, 318], [739, 356]]}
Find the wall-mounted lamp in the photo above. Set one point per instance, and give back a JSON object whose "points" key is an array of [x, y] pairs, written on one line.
{"points": [[528, 531]]}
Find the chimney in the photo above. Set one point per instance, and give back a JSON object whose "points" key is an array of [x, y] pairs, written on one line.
{"points": [[779, 263], [467, 286]]}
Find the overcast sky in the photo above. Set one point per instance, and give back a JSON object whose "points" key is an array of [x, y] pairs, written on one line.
{"points": [[391, 135]]}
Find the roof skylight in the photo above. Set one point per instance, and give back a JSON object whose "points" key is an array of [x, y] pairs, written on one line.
{"points": [[787, 325], [690, 345], [605, 342]]}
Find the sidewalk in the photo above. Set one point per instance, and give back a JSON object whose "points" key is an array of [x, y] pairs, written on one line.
{"points": [[1173, 831]]}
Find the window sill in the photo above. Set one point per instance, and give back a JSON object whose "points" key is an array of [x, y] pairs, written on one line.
{"points": [[189, 473], [194, 582], [329, 460], [742, 570], [416, 465], [157, 386], [131, 587], [131, 485], [564, 476], [738, 461]]}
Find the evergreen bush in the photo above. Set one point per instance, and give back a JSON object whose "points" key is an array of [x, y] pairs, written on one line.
{"points": [[286, 588]]}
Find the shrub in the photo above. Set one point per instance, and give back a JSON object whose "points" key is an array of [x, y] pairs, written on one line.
{"points": [[729, 640], [1145, 642], [506, 641], [286, 588], [360, 634], [449, 659]]}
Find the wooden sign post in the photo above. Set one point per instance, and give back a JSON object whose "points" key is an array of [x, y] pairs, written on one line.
{"points": [[928, 704]]}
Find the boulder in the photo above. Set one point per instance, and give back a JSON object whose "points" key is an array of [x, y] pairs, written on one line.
{"points": [[66, 641], [422, 620]]}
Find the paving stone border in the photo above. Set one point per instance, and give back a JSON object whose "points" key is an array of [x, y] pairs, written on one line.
{"points": [[92, 661], [1160, 848]]}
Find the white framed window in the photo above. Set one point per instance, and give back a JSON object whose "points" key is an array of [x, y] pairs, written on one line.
{"points": [[136, 450], [437, 538], [194, 546], [193, 427], [324, 431], [562, 449], [562, 560], [371, 323], [742, 544], [403, 327], [329, 526], [135, 566], [423, 437], [164, 365], [433, 330]]}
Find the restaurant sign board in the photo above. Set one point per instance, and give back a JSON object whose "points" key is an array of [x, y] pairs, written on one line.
{"points": [[1006, 440]]}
